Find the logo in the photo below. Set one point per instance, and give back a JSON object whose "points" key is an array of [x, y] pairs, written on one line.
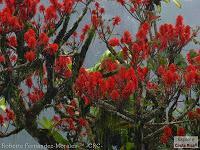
{"points": [[186, 142]]}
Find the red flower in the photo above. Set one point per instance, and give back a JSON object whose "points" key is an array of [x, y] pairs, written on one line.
{"points": [[198, 110], [191, 115], [151, 86], [31, 42], [41, 8], [179, 20], [127, 38], [73, 103], [29, 82], [85, 28], [50, 13], [102, 10], [167, 131], [53, 48], [82, 122], [164, 139], [43, 39], [86, 100], [56, 118], [2, 58], [169, 76], [10, 114], [143, 31], [68, 4], [36, 95], [181, 131], [122, 2], [113, 42], [108, 65], [12, 41], [191, 75], [30, 56], [29, 33], [116, 20], [142, 72], [1, 120], [95, 20], [70, 110], [114, 95]]}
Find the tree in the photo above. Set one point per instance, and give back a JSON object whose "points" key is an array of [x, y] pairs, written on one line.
{"points": [[142, 89]]}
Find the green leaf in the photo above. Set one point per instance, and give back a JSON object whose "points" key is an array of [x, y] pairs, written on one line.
{"points": [[106, 54], [166, 1], [94, 111], [130, 146], [159, 8], [177, 3], [3, 103], [151, 64], [95, 68], [193, 54], [59, 138], [69, 66], [180, 61], [45, 123]]}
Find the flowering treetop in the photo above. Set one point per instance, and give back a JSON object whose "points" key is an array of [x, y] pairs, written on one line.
{"points": [[140, 81]]}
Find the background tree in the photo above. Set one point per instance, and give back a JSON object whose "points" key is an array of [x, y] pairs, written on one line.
{"points": [[141, 90]]}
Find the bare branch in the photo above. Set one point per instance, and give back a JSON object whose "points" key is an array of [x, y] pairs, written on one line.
{"points": [[17, 130]]}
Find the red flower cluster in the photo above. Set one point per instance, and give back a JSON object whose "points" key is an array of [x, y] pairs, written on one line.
{"points": [[50, 13], [124, 82], [169, 76], [36, 95], [108, 65], [173, 35], [90, 84], [12, 41], [29, 82], [43, 39], [2, 59], [28, 9], [167, 133], [122, 2], [1, 120], [8, 22], [73, 122], [139, 49], [116, 20], [181, 131], [143, 31], [194, 114], [68, 5], [10, 116], [126, 38], [53, 48], [117, 87], [30, 56], [142, 72], [62, 66], [96, 17], [30, 38], [84, 31], [193, 57], [192, 75], [151, 86], [113, 42]]}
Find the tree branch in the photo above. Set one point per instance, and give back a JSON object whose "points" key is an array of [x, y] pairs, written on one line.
{"points": [[17, 130]]}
